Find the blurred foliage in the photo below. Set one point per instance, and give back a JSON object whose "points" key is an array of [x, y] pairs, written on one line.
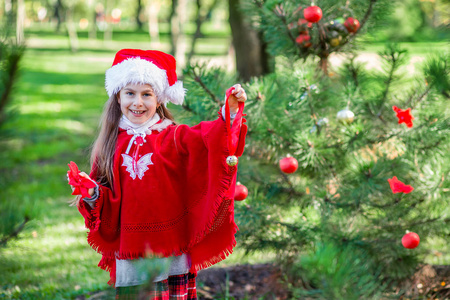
{"points": [[14, 215]]}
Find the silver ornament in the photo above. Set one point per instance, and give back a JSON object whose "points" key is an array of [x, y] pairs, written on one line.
{"points": [[322, 122], [232, 160], [345, 116]]}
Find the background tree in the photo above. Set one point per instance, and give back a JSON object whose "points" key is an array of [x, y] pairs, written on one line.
{"points": [[251, 54], [14, 215]]}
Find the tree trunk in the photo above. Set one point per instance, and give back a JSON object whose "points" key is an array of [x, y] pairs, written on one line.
{"points": [[109, 29], [153, 26], [93, 27], [20, 21], [9, 12], [178, 18], [251, 57], [59, 9], [199, 20], [72, 31], [138, 14]]}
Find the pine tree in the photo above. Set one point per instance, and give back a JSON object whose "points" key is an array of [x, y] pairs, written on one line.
{"points": [[335, 224]]}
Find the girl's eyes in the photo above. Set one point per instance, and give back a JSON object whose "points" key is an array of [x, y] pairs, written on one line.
{"points": [[145, 95]]}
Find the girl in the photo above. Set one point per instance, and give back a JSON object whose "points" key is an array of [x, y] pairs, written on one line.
{"points": [[162, 189]]}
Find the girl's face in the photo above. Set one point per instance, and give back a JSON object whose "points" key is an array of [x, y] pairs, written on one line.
{"points": [[138, 102]]}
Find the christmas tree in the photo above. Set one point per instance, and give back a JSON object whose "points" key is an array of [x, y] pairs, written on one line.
{"points": [[371, 147]]}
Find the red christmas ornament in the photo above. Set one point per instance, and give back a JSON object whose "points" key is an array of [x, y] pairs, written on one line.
{"points": [[240, 192], [410, 240], [399, 187], [303, 23], [81, 185], [304, 40], [312, 14], [351, 24], [288, 165], [404, 116]]}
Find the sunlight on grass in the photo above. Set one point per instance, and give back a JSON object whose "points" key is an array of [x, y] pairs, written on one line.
{"points": [[70, 125], [46, 107]]}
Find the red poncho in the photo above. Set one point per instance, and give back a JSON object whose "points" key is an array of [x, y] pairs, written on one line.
{"points": [[180, 200]]}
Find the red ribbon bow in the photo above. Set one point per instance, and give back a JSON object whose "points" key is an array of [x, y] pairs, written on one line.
{"points": [[404, 116], [399, 187], [231, 146], [81, 185]]}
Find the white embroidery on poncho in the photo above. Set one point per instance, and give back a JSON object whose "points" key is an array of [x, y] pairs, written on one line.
{"points": [[137, 167]]}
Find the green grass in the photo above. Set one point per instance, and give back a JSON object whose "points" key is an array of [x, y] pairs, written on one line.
{"points": [[59, 99]]}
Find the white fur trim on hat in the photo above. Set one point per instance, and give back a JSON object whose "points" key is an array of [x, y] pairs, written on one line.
{"points": [[141, 71]]}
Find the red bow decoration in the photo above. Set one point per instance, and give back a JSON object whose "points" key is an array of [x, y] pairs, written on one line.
{"points": [[404, 116], [399, 187], [81, 185]]}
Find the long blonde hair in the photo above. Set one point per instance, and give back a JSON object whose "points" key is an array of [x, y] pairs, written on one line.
{"points": [[102, 154]]}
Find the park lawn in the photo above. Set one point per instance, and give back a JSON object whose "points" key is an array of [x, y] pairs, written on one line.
{"points": [[59, 99]]}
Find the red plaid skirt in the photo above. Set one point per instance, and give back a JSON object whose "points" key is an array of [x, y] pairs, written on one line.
{"points": [[180, 287]]}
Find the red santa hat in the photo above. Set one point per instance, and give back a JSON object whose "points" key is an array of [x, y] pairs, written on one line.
{"points": [[146, 67]]}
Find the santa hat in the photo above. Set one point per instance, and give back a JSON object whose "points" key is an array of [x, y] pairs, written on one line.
{"points": [[145, 67]]}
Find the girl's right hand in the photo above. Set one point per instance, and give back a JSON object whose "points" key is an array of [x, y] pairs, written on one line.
{"points": [[83, 174]]}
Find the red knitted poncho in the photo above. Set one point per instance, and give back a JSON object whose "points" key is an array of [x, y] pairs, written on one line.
{"points": [[180, 199]]}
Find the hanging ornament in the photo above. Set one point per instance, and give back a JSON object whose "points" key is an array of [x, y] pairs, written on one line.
{"points": [[232, 160], [312, 14], [304, 40], [345, 116], [334, 38], [320, 123], [288, 164], [352, 25], [303, 25], [404, 116], [410, 240], [337, 26], [399, 187], [240, 192]]}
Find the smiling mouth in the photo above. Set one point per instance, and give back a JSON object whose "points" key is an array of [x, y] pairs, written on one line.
{"points": [[137, 112]]}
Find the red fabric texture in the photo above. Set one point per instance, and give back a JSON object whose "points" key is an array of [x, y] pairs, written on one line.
{"points": [[182, 204], [160, 59]]}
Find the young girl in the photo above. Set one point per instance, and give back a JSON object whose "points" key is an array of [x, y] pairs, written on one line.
{"points": [[162, 189]]}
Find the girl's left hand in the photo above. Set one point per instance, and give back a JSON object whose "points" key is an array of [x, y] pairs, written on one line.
{"points": [[238, 95]]}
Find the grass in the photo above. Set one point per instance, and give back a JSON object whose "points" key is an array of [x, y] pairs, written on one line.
{"points": [[59, 98]]}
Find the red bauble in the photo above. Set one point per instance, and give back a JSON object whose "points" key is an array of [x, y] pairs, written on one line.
{"points": [[240, 192], [304, 23], [410, 240], [351, 24], [304, 40], [312, 14], [288, 165]]}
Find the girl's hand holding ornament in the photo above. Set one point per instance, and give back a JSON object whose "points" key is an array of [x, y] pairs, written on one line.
{"points": [[237, 95]]}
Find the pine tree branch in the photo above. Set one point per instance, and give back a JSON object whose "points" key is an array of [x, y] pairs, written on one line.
{"points": [[207, 90], [279, 12], [420, 98], [15, 233], [390, 79]]}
